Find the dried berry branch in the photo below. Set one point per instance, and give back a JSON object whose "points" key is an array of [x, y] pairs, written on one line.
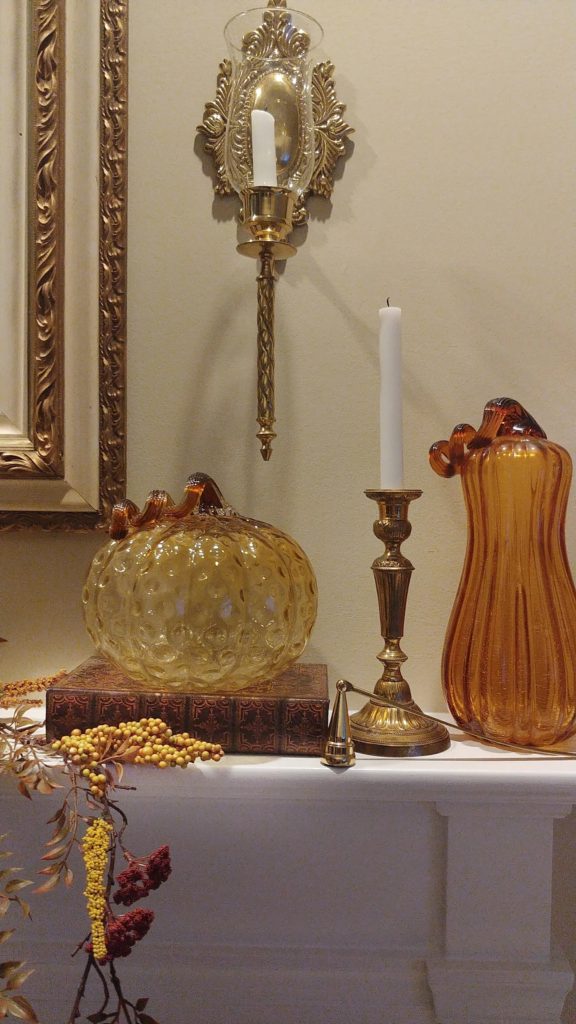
{"points": [[90, 819]]}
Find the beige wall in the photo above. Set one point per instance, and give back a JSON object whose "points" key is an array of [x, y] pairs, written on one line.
{"points": [[457, 201]]}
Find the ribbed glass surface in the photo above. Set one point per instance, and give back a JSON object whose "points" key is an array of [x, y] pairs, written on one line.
{"points": [[509, 661], [271, 51], [203, 602]]}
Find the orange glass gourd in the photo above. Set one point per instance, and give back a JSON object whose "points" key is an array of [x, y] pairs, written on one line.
{"points": [[509, 660]]}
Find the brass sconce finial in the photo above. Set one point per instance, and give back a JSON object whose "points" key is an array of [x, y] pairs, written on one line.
{"points": [[276, 161]]}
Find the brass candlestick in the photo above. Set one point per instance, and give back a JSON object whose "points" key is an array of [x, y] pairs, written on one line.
{"points": [[394, 732]]}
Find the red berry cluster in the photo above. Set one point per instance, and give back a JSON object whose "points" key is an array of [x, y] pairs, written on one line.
{"points": [[123, 932], [137, 880], [158, 866]]}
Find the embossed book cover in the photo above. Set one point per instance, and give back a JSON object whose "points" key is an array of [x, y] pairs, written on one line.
{"points": [[286, 715]]}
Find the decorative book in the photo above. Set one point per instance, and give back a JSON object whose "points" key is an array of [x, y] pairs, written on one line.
{"points": [[286, 715]]}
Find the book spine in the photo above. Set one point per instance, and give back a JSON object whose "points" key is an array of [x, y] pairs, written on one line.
{"points": [[254, 725]]}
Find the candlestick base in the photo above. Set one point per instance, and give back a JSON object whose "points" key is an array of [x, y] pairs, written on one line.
{"points": [[394, 732], [389, 732]]}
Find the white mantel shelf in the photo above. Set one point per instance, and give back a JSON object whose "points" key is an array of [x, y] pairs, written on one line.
{"points": [[468, 770], [397, 891]]}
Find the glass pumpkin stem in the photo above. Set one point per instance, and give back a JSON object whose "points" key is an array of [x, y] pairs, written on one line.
{"points": [[207, 494], [200, 495]]}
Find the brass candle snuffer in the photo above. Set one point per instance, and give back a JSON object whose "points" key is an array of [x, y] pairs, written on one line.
{"points": [[270, 69]]}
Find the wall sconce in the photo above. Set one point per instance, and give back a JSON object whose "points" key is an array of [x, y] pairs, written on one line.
{"points": [[275, 132]]}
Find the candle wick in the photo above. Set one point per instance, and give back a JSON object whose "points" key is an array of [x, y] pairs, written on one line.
{"points": [[388, 301]]}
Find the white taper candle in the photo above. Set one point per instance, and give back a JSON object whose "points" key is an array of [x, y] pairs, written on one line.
{"points": [[391, 444], [263, 149]]}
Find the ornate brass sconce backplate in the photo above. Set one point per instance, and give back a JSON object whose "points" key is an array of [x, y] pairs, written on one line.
{"points": [[330, 127]]}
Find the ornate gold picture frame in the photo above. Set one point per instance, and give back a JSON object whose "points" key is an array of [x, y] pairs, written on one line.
{"points": [[65, 466]]}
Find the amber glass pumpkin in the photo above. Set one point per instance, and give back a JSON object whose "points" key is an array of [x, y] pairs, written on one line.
{"points": [[196, 596], [509, 660]]}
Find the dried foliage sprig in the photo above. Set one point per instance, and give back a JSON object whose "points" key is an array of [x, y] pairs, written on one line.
{"points": [[20, 756], [13, 973]]}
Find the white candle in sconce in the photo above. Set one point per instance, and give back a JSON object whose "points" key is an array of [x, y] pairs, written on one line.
{"points": [[263, 149], [391, 442]]}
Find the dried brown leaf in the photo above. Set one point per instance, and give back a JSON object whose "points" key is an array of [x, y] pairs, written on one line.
{"points": [[20, 1007], [49, 885], [45, 786], [4, 904], [68, 876], [3, 1007], [16, 884], [18, 978], [56, 852], [60, 814], [5, 935], [23, 790], [7, 967], [24, 907], [50, 869], [126, 750], [61, 833]]}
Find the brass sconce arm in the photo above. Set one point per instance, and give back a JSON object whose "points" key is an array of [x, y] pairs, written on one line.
{"points": [[267, 216]]}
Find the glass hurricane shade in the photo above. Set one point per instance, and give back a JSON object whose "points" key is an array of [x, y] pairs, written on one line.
{"points": [[271, 54]]}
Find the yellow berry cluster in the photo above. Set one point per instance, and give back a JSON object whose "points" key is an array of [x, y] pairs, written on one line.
{"points": [[149, 741], [95, 853]]}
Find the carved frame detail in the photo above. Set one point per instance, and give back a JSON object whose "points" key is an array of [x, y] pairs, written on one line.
{"points": [[44, 455]]}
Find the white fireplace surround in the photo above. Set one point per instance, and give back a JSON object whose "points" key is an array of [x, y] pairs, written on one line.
{"points": [[438, 890]]}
